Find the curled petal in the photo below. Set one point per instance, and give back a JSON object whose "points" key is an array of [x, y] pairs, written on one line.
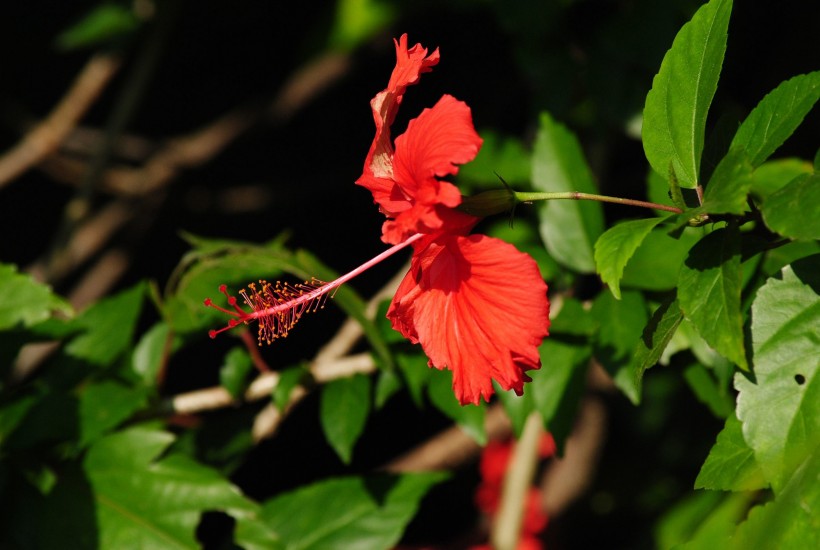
{"points": [[478, 307], [410, 65]]}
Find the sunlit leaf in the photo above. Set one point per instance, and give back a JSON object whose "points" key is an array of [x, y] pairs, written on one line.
{"points": [[677, 105], [569, 228], [201, 273], [108, 327], [25, 301], [776, 117], [709, 293], [705, 519], [780, 407], [792, 520], [146, 502], [344, 409], [151, 350], [731, 464], [348, 512], [616, 246]]}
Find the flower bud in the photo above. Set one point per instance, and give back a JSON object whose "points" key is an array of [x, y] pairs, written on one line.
{"points": [[489, 203]]}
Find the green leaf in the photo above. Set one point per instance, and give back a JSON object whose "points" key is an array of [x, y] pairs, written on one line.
{"points": [[703, 520], [25, 301], [289, 378], [778, 258], [709, 293], [569, 228], [794, 210], [656, 335], [731, 464], [573, 319], [202, 271], [674, 116], [358, 20], [108, 327], [502, 155], [774, 174], [728, 187], [708, 391], [348, 512], [616, 246], [104, 405], [792, 520], [776, 117], [658, 191], [517, 407], [780, 408], [152, 351], [620, 325], [344, 408], [559, 385], [142, 502], [469, 418], [233, 375], [103, 23], [416, 373], [12, 414], [388, 384], [655, 265]]}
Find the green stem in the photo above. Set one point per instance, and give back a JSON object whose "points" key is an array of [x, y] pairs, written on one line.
{"points": [[575, 195]]}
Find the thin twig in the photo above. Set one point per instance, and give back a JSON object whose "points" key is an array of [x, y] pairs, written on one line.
{"points": [[262, 387], [47, 136], [568, 477], [518, 479], [200, 146], [89, 238]]}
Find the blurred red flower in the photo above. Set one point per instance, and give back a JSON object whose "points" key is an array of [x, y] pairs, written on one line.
{"points": [[476, 304], [495, 459]]}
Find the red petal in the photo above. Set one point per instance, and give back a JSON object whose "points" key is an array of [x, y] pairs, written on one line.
{"points": [[410, 65], [434, 145], [478, 307]]}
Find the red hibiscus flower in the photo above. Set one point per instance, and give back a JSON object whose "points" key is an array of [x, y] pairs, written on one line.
{"points": [[476, 304]]}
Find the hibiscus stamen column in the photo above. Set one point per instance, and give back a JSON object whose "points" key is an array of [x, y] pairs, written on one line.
{"points": [[278, 307]]}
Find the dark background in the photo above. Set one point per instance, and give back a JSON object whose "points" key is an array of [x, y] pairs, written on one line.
{"points": [[590, 63]]}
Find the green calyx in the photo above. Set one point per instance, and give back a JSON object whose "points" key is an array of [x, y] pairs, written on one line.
{"points": [[488, 203]]}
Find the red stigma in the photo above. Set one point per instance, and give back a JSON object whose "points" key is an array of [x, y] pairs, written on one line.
{"points": [[277, 307]]}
